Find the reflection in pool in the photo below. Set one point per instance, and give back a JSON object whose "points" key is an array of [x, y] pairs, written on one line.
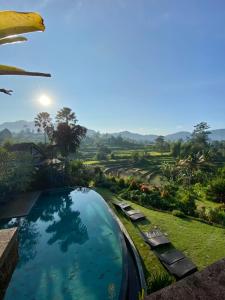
{"points": [[70, 248]]}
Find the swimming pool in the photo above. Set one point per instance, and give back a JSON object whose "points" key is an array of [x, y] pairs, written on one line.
{"points": [[70, 247]]}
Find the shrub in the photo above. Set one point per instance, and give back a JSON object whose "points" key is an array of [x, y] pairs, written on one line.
{"points": [[212, 215], [121, 183], [144, 188], [133, 185], [200, 191], [124, 195], [178, 213], [201, 212], [216, 190], [78, 174], [216, 215], [186, 201]]}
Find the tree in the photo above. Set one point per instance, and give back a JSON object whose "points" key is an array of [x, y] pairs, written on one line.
{"points": [[5, 135], [176, 149], [68, 137], [135, 156], [160, 143], [200, 136], [186, 201], [216, 187], [43, 122], [12, 24], [68, 134], [65, 115]]}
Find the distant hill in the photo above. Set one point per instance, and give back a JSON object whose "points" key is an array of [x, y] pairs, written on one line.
{"points": [[184, 135], [135, 136], [216, 135], [17, 126]]}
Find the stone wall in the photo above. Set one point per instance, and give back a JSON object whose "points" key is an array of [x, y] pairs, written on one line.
{"points": [[8, 257]]}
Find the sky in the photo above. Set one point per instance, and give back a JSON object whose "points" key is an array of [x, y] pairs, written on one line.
{"points": [[147, 66]]}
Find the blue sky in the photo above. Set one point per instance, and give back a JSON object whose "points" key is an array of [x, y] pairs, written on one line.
{"points": [[149, 66]]}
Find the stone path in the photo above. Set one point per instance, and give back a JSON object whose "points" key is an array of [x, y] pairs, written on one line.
{"points": [[208, 284], [19, 206], [8, 256]]}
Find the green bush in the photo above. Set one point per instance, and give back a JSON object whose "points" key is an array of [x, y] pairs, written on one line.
{"points": [[186, 201], [212, 215], [78, 174], [178, 213], [121, 183], [133, 185], [216, 190], [216, 215]]}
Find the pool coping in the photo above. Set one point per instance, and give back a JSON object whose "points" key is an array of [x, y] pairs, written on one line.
{"points": [[134, 250]]}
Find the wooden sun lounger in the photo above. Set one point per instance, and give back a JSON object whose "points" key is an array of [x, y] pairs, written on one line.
{"points": [[155, 238], [134, 215], [122, 205], [181, 268], [137, 217], [176, 263], [170, 256], [130, 212]]}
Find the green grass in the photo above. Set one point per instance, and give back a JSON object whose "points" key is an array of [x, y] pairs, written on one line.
{"points": [[91, 162], [202, 243]]}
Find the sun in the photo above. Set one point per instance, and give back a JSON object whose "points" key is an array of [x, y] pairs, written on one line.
{"points": [[45, 100]]}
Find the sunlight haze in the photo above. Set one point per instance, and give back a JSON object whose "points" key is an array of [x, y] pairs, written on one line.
{"points": [[145, 66]]}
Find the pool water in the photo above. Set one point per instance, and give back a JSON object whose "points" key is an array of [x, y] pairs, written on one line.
{"points": [[70, 247]]}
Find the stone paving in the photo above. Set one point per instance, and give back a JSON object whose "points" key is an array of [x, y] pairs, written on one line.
{"points": [[19, 206], [208, 284], [8, 256]]}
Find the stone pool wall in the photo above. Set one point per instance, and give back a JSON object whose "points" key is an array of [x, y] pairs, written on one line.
{"points": [[8, 256]]}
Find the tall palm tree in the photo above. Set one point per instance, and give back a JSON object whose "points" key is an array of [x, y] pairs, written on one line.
{"points": [[44, 124]]}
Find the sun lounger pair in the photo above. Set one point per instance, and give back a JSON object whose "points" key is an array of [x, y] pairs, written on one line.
{"points": [[173, 260], [133, 215]]}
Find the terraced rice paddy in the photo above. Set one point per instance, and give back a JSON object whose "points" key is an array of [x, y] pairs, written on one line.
{"points": [[147, 169]]}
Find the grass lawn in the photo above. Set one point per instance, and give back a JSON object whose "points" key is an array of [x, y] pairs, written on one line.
{"points": [[202, 243], [91, 162]]}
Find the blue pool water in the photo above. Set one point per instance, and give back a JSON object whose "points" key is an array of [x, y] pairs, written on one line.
{"points": [[70, 247]]}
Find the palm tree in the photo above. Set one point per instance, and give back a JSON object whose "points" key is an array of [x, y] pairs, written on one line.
{"points": [[44, 124], [65, 115]]}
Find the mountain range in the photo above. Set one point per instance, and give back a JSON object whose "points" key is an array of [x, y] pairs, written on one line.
{"points": [[217, 134]]}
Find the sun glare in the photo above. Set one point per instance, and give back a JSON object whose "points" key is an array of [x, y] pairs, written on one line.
{"points": [[45, 100]]}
